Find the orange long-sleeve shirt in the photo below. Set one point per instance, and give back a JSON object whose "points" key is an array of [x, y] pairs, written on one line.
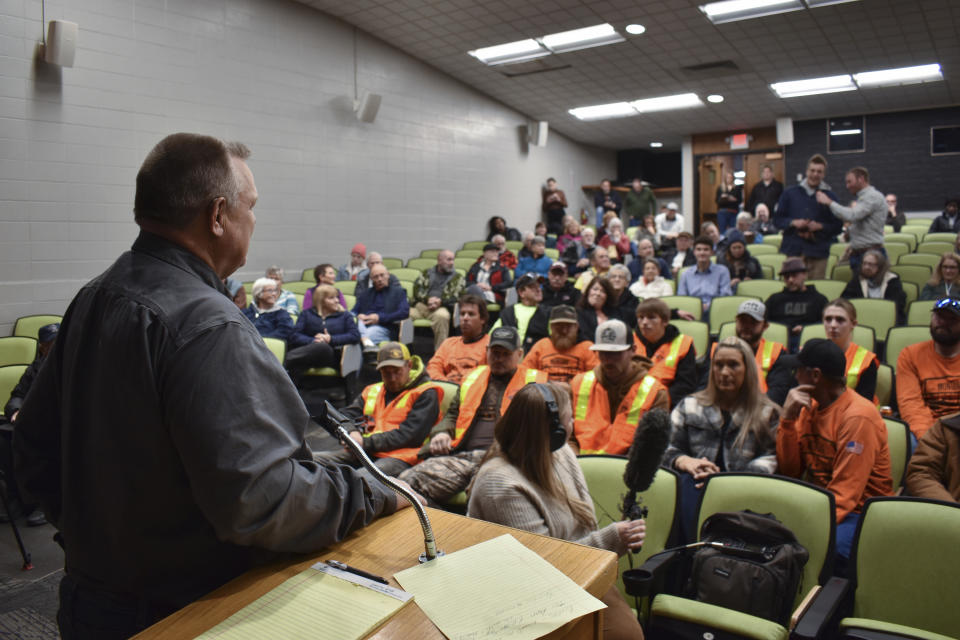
{"points": [[928, 386], [456, 358], [561, 366], [843, 447]]}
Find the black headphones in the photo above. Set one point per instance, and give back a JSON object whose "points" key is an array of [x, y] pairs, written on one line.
{"points": [[558, 434]]}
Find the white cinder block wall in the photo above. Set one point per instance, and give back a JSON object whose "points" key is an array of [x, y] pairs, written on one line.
{"points": [[437, 162]]}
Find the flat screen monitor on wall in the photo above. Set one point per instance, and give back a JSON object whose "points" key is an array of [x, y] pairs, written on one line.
{"points": [[945, 141], [846, 135]]}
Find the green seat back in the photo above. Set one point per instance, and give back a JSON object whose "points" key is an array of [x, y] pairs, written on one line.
{"points": [[918, 313], [464, 263], [762, 289], [862, 335], [774, 260], [17, 350], [9, 377], [918, 230], [299, 286], [408, 287], [768, 273], [884, 384], [880, 315], [419, 264], [392, 263], [926, 259], [307, 274], [761, 249], [725, 310], [697, 330], [773, 240], [430, 253], [469, 253], [350, 300], [832, 289], [940, 236], [935, 248], [806, 510], [837, 248], [514, 245], [248, 287], [898, 441], [553, 254], [29, 326], [922, 590], [346, 286], [895, 250], [690, 304], [277, 346], [915, 273], [407, 274], [903, 237], [900, 337], [776, 332], [604, 475], [910, 292], [841, 273], [475, 244]]}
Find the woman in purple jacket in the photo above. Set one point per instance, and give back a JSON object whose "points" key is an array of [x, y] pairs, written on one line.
{"points": [[320, 332]]}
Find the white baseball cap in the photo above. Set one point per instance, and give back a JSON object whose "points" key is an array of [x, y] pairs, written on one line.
{"points": [[612, 335]]}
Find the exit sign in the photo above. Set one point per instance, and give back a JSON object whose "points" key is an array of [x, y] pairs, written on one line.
{"points": [[739, 141]]}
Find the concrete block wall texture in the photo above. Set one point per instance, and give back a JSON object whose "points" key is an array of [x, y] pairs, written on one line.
{"points": [[439, 160], [897, 155]]}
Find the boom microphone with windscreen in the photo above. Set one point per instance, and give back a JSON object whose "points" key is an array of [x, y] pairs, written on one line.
{"points": [[650, 441]]}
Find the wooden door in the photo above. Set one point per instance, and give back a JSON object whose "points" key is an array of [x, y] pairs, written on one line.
{"points": [[711, 170], [753, 164]]}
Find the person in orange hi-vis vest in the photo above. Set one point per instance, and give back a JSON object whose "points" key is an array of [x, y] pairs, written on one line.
{"points": [[393, 418], [839, 319], [459, 355], [775, 378], [458, 443], [610, 399], [674, 358], [560, 356]]}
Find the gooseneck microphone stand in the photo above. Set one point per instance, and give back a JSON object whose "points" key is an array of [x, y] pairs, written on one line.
{"points": [[334, 422]]}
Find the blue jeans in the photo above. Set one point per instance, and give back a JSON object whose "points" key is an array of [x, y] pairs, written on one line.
{"points": [[726, 219], [844, 544], [375, 332], [689, 505]]}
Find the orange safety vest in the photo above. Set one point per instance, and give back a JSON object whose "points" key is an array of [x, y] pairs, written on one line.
{"points": [[859, 360], [666, 357], [766, 354], [595, 430], [387, 417], [475, 385]]}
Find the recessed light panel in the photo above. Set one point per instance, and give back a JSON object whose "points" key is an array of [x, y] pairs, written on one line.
{"points": [[656, 145], [510, 52], [594, 36], [733, 10], [903, 75], [814, 86], [601, 111], [666, 103]]}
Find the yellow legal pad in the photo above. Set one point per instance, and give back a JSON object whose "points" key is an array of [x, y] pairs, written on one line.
{"points": [[320, 602]]}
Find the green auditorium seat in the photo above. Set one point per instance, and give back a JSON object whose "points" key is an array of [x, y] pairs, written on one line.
{"points": [[900, 337], [29, 326], [17, 350]]}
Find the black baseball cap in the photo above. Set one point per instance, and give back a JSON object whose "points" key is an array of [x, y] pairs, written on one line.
{"points": [[506, 337], [526, 280], [822, 354]]}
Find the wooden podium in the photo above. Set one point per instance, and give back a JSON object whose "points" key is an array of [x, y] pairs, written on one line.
{"points": [[390, 545]]}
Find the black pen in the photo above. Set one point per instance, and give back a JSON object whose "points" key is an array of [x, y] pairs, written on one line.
{"points": [[336, 564]]}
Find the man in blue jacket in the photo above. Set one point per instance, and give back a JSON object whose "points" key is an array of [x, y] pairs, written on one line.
{"points": [[808, 227], [380, 307]]}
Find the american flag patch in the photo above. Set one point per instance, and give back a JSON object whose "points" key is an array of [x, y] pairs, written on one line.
{"points": [[854, 447]]}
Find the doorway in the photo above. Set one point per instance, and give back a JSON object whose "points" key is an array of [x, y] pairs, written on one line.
{"points": [[746, 168]]}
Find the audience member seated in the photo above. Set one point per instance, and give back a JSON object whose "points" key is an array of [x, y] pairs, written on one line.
{"points": [[798, 304], [323, 274], [380, 307], [606, 200], [616, 242], [711, 231], [956, 244], [498, 226], [459, 355], [621, 380], [839, 319], [531, 480], [707, 280], [774, 377], [520, 314], [458, 443], [763, 225], [945, 277], [839, 443], [271, 320], [599, 266], [320, 334], [525, 251], [352, 269], [879, 282], [507, 258], [570, 234], [286, 299], [540, 229], [672, 354], [949, 220], [745, 226], [738, 261], [537, 262], [895, 215], [434, 294], [650, 284], [928, 373], [46, 337], [236, 292], [934, 469], [561, 355], [553, 205], [669, 225], [729, 426], [598, 304], [645, 252], [395, 415], [647, 231], [580, 259], [492, 279], [680, 256], [363, 279], [558, 289], [626, 302]]}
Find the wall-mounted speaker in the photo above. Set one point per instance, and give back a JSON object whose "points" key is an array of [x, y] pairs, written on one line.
{"points": [[537, 133], [61, 46], [784, 131], [367, 106]]}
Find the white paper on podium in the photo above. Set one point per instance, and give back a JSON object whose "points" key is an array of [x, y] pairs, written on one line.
{"points": [[496, 589]]}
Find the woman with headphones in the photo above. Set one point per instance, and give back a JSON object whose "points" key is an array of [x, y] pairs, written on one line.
{"points": [[531, 480]]}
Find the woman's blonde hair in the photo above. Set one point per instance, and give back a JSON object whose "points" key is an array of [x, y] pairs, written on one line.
{"points": [[522, 437], [750, 399], [322, 292], [937, 277]]}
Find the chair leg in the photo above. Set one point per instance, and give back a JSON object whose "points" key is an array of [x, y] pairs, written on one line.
{"points": [[27, 564]]}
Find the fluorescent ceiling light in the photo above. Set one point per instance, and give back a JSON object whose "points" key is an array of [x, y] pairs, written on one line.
{"points": [[814, 86], [903, 75], [656, 145], [600, 111], [594, 36], [510, 52], [680, 101], [715, 98], [635, 29], [846, 132], [732, 10]]}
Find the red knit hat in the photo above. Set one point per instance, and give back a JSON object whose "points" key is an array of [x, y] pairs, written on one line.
{"points": [[360, 249]]}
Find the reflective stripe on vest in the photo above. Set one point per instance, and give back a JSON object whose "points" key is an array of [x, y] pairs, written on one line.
{"points": [[371, 402], [586, 388], [671, 359], [583, 395], [531, 376], [856, 367], [468, 382], [645, 386], [766, 358]]}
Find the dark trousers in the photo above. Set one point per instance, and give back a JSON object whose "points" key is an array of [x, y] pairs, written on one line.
{"points": [[315, 354], [726, 219], [94, 614], [690, 497]]}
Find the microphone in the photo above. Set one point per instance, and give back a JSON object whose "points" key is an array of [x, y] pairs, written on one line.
{"points": [[335, 423], [650, 441]]}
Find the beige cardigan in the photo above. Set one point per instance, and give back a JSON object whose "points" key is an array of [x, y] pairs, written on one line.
{"points": [[502, 494]]}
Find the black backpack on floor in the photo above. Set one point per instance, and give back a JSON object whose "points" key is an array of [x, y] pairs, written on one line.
{"points": [[748, 562]]}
